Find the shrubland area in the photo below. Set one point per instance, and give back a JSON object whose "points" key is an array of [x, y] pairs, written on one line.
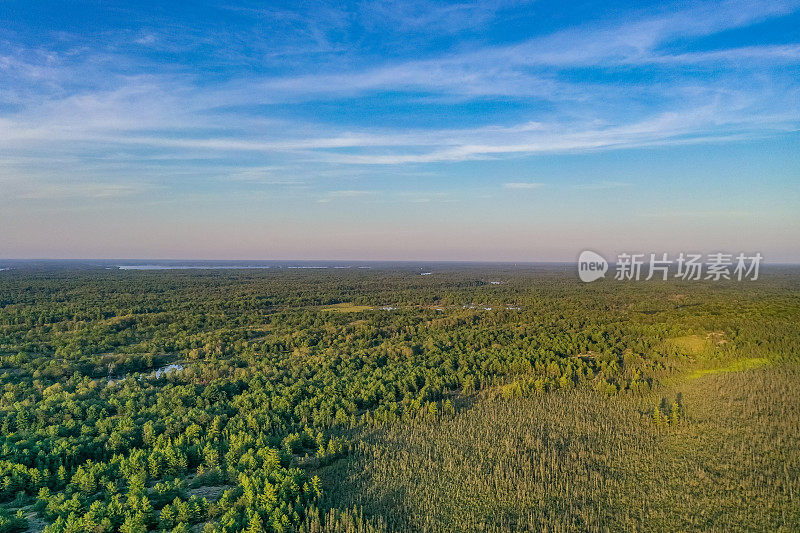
{"points": [[477, 398]]}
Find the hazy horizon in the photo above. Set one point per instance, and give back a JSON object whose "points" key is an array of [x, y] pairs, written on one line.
{"points": [[329, 263]]}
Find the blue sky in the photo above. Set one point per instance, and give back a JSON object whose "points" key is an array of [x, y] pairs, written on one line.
{"points": [[398, 130]]}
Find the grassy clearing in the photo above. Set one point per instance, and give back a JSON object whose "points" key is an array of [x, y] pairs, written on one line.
{"points": [[739, 365], [691, 345], [347, 307]]}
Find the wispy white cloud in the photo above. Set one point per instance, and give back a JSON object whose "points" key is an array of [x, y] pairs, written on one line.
{"points": [[517, 185], [350, 193], [71, 190], [506, 70], [417, 15], [345, 194], [741, 57], [600, 185], [729, 118]]}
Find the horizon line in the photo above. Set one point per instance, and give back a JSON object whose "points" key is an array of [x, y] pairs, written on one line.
{"points": [[486, 261]]}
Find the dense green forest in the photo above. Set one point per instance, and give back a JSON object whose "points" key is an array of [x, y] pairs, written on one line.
{"points": [[476, 398]]}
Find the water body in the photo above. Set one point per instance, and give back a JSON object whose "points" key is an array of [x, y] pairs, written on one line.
{"points": [[157, 373], [233, 265], [187, 267], [174, 367]]}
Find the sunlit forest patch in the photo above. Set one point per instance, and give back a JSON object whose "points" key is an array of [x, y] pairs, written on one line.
{"points": [[709, 460]]}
